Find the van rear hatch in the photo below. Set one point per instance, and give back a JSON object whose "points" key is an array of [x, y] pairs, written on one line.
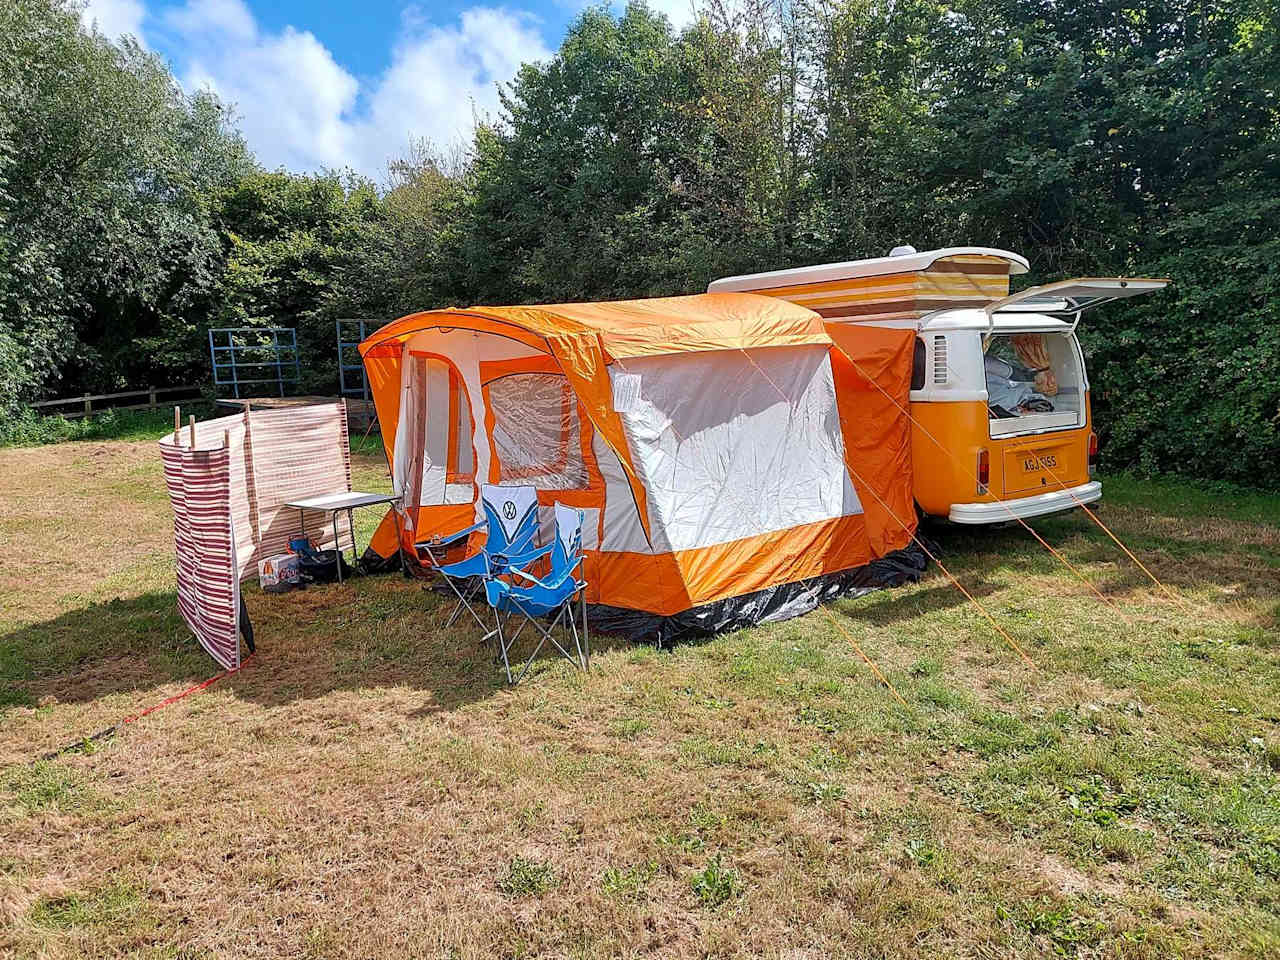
{"points": [[1042, 464]]}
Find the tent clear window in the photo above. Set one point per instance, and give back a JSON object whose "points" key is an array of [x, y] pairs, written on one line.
{"points": [[444, 470], [537, 431], [1034, 375]]}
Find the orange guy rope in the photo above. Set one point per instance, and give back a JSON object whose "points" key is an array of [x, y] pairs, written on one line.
{"points": [[905, 526], [1107, 530], [955, 459], [1181, 601], [874, 669]]}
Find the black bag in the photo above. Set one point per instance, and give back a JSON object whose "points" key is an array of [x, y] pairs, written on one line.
{"points": [[321, 566]]}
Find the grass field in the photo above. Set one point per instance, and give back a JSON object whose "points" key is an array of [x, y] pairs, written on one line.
{"points": [[367, 786]]}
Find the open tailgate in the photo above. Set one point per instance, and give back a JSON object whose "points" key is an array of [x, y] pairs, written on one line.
{"points": [[1071, 297]]}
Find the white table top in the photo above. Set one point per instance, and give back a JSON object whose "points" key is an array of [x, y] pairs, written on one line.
{"points": [[342, 501]]}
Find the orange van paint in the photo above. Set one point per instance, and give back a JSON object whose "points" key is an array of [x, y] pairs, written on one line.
{"points": [[942, 478]]}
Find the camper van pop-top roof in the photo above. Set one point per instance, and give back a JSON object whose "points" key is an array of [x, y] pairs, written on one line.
{"points": [[971, 284], [902, 286], [904, 259]]}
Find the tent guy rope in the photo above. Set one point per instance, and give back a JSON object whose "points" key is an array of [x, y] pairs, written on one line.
{"points": [[955, 459], [110, 731], [1181, 601], [916, 539]]}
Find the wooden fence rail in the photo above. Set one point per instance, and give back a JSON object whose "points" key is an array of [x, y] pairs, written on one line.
{"points": [[87, 400]]}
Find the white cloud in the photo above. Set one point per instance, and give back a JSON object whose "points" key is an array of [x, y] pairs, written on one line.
{"points": [[228, 18], [299, 108], [289, 93], [442, 78], [681, 13], [115, 18]]}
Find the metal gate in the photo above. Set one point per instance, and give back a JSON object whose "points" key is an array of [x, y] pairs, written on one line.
{"points": [[248, 357], [351, 378]]}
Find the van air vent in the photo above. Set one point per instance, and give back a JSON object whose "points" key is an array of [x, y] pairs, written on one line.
{"points": [[939, 359]]}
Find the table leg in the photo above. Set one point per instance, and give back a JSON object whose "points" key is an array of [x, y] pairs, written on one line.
{"points": [[351, 527], [395, 510], [337, 545]]}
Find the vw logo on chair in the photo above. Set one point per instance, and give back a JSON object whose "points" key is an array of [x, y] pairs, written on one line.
{"points": [[509, 510]]}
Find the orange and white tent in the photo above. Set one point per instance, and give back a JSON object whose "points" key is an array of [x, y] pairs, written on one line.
{"points": [[722, 481]]}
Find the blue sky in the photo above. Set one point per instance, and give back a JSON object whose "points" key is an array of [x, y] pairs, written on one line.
{"points": [[340, 83]]}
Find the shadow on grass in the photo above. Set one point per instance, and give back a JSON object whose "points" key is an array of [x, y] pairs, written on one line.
{"points": [[371, 632], [886, 607], [386, 631], [1180, 557], [119, 645]]}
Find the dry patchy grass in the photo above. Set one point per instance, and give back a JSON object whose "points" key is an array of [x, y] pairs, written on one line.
{"points": [[368, 787]]}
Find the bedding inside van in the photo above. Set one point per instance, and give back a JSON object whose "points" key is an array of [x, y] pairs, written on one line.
{"points": [[1034, 382]]}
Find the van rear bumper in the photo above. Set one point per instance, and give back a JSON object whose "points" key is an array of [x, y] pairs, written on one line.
{"points": [[1024, 507]]}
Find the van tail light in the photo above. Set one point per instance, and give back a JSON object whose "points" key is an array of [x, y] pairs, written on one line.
{"points": [[984, 470], [1093, 450]]}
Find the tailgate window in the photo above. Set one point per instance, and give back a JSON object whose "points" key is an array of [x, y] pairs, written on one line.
{"points": [[1034, 382]]}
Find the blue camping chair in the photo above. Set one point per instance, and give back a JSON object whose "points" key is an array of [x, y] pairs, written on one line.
{"points": [[551, 597], [511, 518]]}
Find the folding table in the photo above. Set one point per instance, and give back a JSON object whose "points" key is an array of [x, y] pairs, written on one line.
{"points": [[336, 503]]}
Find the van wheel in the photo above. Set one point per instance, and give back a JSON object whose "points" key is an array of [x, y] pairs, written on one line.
{"points": [[924, 519]]}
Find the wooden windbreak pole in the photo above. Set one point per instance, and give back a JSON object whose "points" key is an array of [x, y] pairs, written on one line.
{"points": [[191, 421], [177, 425], [251, 480]]}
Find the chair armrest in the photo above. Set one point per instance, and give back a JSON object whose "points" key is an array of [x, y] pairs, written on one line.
{"points": [[527, 576], [515, 566], [566, 574], [455, 537], [518, 562]]}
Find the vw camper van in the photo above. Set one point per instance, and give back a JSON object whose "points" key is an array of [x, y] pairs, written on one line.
{"points": [[999, 400]]}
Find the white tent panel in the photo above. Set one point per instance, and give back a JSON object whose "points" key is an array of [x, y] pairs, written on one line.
{"points": [[623, 532], [730, 445]]}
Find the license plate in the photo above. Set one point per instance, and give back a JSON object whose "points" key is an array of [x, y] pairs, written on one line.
{"points": [[1033, 469], [1037, 462]]}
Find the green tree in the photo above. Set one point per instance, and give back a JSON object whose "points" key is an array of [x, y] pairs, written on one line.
{"points": [[1118, 137], [287, 237], [107, 167], [412, 256], [581, 147]]}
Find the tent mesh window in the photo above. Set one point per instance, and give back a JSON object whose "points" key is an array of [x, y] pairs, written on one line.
{"points": [[537, 432]]}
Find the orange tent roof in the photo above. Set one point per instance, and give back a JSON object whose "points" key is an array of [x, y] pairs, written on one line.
{"points": [[585, 337], [633, 328]]}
